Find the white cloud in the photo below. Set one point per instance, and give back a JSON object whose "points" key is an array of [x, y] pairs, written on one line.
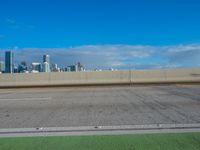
{"points": [[183, 48], [12, 24], [117, 56], [10, 21]]}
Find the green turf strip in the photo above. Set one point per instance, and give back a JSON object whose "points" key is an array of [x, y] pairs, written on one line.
{"points": [[186, 141]]}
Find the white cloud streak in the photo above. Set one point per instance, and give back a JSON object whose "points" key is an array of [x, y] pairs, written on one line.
{"points": [[117, 56], [12, 24]]}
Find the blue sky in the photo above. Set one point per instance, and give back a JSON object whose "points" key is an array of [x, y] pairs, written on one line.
{"points": [[150, 29]]}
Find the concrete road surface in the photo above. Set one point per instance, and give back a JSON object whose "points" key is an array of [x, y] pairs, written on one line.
{"points": [[99, 106], [100, 130]]}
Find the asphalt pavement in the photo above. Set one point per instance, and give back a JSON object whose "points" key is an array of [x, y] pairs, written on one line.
{"points": [[99, 106]]}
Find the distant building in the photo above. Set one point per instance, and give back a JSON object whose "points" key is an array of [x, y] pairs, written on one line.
{"points": [[36, 67], [54, 68], [2, 67], [75, 68], [22, 68], [80, 67], [46, 64], [67, 69], [45, 67], [34, 71], [72, 68], [112, 69], [9, 66], [46, 58], [16, 69], [96, 69]]}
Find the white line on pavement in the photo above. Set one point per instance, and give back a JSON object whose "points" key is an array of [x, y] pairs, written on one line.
{"points": [[100, 130], [25, 99]]}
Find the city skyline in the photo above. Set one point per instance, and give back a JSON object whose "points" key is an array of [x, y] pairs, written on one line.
{"points": [[10, 66], [116, 56]]}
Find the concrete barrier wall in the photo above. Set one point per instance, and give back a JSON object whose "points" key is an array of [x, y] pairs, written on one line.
{"points": [[191, 75], [103, 77], [166, 76], [148, 76]]}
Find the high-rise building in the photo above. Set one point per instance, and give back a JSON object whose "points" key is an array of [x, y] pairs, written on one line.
{"points": [[36, 67], [45, 67], [9, 67], [2, 66], [46, 63], [46, 58]]}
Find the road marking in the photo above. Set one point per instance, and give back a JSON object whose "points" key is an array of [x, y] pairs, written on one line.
{"points": [[100, 130], [187, 84], [25, 99]]}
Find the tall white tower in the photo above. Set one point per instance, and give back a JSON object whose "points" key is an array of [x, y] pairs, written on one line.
{"points": [[46, 67]]}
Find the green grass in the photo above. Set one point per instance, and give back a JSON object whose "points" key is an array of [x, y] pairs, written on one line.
{"points": [[186, 141]]}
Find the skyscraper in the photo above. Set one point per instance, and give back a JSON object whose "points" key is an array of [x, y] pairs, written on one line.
{"points": [[46, 63], [9, 56], [46, 67], [46, 58]]}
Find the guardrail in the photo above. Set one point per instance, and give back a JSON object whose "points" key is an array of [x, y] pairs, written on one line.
{"points": [[101, 78]]}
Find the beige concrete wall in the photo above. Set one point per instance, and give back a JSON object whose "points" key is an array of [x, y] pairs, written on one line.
{"points": [[148, 76], [32, 79], [103, 77], [183, 75], [7, 79], [65, 78], [166, 76]]}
